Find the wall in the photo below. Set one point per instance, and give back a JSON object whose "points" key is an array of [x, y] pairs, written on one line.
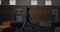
{"points": [[56, 2], [5, 2], [28, 2], [37, 13], [23, 2], [6, 12], [41, 2]]}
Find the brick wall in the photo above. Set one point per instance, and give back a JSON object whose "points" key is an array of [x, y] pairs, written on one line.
{"points": [[37, 13]]}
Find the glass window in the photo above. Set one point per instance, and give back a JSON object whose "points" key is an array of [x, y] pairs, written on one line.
{"points": [[33, 2], [48, 2], [12, 2]]}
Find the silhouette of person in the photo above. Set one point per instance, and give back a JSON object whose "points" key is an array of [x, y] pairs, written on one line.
{"points": [[27, 16]]}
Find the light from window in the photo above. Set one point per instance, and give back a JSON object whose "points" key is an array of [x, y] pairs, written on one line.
{"points": [[12, 2], [0, 2], [33, 2], [48, 2]]}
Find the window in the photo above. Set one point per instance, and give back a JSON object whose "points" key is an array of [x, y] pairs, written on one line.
{"points": [[0, 2], [48, 2], [12, 2], [33, 2]]}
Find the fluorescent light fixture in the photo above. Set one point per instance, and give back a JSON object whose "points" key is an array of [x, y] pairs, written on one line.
{"points": [[48, 2], [33, 2], [12, 2]]}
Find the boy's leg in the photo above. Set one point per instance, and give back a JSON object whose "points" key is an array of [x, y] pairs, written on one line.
{"points": [[29, 24], [23, 26]]}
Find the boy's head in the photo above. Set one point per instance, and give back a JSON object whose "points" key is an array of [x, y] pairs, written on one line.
{"points": [[28, 9]]}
